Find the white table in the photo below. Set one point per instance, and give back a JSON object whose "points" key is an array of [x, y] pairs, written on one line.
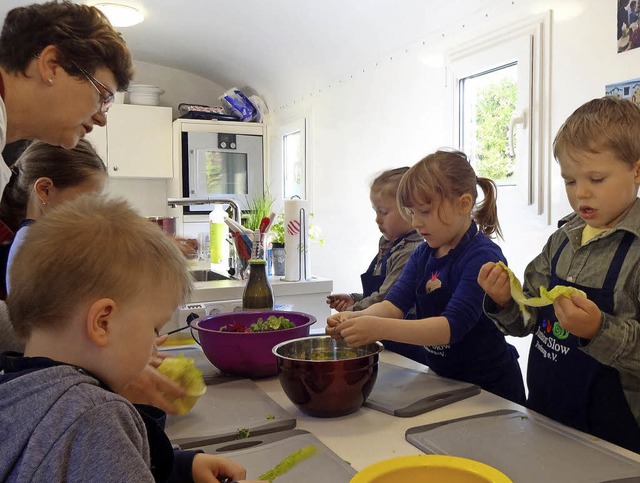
{"points": [[368, 435]]}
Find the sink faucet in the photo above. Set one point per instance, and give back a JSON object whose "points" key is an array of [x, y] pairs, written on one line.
{"points": [[173, 202]]}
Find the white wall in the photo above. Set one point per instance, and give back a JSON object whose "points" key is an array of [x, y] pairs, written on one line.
{"points": [[400, 109], [147, 195]]}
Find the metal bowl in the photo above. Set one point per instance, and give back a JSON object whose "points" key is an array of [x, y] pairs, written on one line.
{"points": [[325, 377], [246, 354]]}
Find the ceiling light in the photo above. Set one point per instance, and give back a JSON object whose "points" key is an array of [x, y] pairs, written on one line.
{"points": [[120, 15]]}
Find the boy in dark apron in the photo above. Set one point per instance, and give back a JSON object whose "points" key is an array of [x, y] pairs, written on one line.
{"points": [[397, 243], [584, 362]]}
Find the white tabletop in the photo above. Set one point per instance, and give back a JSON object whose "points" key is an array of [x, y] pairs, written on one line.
{"points": [[368, 435]]}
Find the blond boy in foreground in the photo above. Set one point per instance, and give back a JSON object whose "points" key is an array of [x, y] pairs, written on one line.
{"points": [[91, 287]]}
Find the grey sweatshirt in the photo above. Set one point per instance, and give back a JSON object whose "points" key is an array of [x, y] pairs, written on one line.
{"points": [[58, 425]]}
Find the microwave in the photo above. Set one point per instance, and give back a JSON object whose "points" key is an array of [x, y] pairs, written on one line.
{"points": [[218, 165]]}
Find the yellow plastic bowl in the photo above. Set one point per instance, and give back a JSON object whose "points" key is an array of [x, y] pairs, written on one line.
{"points": [[443, 469]]}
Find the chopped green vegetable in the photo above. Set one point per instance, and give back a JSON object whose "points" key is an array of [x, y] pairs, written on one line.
{"points": [[270, 416], [272, 323], [546, 296], [288, 463], [183, 370], [243, 433]]}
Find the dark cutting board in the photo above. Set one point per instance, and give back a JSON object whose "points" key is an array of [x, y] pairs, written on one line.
{"points": [[405, 392], [528, 448], [260, 454], [224, 410]]}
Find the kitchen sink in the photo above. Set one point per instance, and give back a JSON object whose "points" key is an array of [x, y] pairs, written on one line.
{"points": [[208, 276]]}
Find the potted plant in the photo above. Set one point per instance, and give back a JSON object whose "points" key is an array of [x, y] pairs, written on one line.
{"points": [[277, 244], [259, 207]]}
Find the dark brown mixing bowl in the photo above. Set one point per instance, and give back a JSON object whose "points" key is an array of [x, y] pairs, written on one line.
{"points": [[325, 377]]}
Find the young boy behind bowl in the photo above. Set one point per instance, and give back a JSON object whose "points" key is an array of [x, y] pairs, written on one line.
{"points": [[91, 286]]}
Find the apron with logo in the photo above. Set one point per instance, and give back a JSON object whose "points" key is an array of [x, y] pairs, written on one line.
{"points": [[572, 387], [482, 357], [371, 283]]}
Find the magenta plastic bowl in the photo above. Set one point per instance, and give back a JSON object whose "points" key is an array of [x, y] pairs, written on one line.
{"points": [[247, 354]]}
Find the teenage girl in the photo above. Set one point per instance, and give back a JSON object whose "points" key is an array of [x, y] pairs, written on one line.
{"points": [[43, 177], [438, 195], [397, 243]]}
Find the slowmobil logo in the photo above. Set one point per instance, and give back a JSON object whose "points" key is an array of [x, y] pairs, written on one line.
{"points": [[554, 327]]}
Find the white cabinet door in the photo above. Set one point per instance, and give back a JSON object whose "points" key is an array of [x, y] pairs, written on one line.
{"points": [[98, 137], [136, 142]]}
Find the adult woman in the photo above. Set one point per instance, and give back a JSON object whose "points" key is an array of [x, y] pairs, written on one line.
{"points": [[60, 64]]}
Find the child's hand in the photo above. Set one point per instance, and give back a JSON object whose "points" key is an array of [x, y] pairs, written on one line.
{"points": [[151, 387], [208, 468], [494, 280], [578, 315], [340, 301], [359, 331], [335, 320]]}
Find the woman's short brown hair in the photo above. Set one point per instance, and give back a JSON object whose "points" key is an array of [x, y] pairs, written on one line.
{"points": [[82, 34], [83, 250]]}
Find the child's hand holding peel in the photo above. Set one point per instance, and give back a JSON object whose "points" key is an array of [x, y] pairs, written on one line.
{"points": [[578, 315], [494, 280]]}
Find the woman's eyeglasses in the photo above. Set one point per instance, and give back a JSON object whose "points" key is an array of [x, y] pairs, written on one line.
{"points": [[106, 96]]}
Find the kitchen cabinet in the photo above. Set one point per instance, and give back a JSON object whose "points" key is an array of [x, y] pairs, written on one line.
{"points": [[136, 142]]}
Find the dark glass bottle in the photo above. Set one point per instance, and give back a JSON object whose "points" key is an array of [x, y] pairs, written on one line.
{"points": [[257, 293]]}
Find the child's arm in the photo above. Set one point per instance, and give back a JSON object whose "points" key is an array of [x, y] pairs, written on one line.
{"points": [[365, 329], [494, 280], [340, 301], [383, 309]]}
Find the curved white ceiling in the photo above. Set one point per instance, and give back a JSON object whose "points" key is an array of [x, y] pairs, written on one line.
{"points": [[281, 49]]}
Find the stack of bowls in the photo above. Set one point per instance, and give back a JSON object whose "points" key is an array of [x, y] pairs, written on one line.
{"points": [[145, 95]]}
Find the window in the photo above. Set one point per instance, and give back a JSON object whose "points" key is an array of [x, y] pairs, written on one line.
{"points": [[501, 113], [294, 169]]}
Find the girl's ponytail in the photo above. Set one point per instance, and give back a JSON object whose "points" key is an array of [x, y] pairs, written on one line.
{"points": [[485, 213]]}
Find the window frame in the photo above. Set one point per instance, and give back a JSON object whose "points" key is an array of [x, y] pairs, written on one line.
{"points": [[538, 116]]}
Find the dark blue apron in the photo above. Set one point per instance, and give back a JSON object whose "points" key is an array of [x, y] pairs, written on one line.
{"points": [[572, 387], [371, 283], [482, 357]]}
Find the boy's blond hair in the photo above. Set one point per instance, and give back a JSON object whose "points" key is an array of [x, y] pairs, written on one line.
{"points": [[90, 248], [606, 123]]}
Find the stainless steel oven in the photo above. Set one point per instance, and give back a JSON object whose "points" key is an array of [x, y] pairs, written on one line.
{"points": [[219, 165]]}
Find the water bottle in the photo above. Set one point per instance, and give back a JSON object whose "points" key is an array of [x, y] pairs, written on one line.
{"points": [[258, 294], [218, 235]]}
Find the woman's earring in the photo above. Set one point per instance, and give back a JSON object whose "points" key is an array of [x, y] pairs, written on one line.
{"points": [[44, 202], [50, 80]]}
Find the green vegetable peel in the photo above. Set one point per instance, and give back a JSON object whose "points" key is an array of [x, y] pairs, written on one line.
{"points": [[288, 463], [546, 296]]}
